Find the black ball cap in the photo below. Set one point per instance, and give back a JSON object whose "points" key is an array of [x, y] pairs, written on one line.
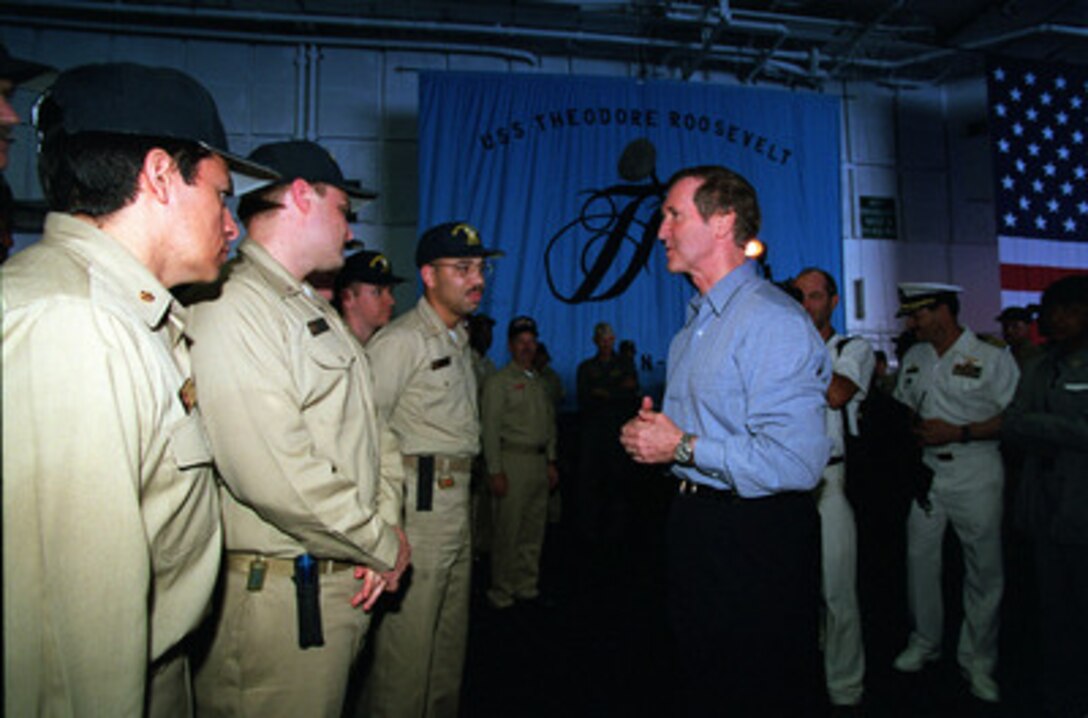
{"points": [[367, 267], [1014, 314], [18, 70], [302, 159], [521, 324], [454, 240], [129, 99]]}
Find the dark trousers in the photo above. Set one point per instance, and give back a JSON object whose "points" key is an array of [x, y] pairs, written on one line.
{"points": [[744, 604], [1063, 610]]}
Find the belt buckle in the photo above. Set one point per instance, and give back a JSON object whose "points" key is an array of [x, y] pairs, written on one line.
{"points": [[258, 567]]}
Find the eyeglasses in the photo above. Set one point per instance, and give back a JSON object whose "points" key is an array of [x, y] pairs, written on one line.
{"points": [[463, 269]]}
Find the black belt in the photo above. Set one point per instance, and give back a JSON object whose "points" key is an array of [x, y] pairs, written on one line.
{"points": [[704, 491], [517, 448], [946, 456], [835, 460]]}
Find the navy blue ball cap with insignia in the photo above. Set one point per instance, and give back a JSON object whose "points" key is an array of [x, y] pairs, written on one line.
{"points": [[454, 240], [302, 159], [123, 98], [521, 324], [923, 295], [367, 267]]}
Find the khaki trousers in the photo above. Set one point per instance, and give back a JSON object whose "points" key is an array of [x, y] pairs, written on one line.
{"points": [[518, 521], [255, 666], [419, 646], [169, 691]]}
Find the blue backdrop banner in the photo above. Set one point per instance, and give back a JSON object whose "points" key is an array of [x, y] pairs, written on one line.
{"points": [[565, 175]]}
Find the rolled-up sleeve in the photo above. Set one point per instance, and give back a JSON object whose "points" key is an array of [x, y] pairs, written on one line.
{"points": [[750, 381]]}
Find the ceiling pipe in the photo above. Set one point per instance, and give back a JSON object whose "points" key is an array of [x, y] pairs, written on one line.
{"points": [[505, 53], [861, 35], [1044, 29], [716, 52]]}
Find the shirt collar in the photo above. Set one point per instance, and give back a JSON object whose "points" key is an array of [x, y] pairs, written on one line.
{"points": [[434, 323], [271, 270], [964, 342], [144, 293], [725, 289]]}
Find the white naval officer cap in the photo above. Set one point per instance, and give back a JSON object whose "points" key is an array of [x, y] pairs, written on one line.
{"points": [[920, 295]]}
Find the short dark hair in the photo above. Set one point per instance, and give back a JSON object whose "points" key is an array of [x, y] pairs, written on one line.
{"points": [[832, 285], [96, 173], [723, 190], [950, 300], [269, 198]]}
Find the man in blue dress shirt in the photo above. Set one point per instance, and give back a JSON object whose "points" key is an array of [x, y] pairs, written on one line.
{"points": [[743, 424]]}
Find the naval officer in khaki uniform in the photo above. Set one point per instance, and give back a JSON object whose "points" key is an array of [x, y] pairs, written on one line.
{"points": [[426, 396], [290, 414], [519, 437], [111, 521]]}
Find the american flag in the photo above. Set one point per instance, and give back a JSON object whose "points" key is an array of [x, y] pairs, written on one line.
{"points": [[1039, 131]]}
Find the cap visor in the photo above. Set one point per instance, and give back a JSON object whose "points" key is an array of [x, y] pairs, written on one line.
{"points": [[358, 195], [245, 175]]}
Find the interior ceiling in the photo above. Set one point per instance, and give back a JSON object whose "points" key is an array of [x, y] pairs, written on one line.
{"points": [[794, 42]]}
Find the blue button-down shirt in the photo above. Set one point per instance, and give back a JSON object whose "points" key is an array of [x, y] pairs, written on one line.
{"points": [[748, 375]]}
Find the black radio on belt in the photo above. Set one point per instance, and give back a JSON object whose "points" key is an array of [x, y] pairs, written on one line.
{"points": [[425, 483], [308, 602]]}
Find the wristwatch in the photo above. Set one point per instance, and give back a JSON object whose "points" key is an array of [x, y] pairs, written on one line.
{"points": [[684, 453]]}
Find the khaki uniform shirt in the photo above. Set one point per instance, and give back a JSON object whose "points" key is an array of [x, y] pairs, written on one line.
{"points": [[426, 387], [111, 522], [287, 397], [517, 411]]}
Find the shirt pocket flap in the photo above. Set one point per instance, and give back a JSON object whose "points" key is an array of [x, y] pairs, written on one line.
{"points": [[329, 352], [189, 443]]}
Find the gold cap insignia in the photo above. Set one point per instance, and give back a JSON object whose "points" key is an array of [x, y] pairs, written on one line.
{"points": [[472, 239]]}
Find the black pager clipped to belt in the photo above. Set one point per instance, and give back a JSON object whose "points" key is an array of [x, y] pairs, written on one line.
{"points": [[307, 600]]}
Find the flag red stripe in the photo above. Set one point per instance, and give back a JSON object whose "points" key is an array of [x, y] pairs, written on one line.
{"points": [[1027, 278]]}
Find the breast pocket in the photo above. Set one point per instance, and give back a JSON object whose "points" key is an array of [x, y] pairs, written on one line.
{"points": [[1072, 398], [326, 364], [189, 443]]}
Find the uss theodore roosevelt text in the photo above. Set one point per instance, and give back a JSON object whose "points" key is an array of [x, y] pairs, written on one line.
{"points": [[574, 117]]}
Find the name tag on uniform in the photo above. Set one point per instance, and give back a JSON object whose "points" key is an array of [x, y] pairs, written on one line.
{"points": [[968, 369], [440, 363], [911, 370], [317, 326]]}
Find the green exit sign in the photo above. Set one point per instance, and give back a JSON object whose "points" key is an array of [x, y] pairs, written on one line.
{"points": [[877, 217]]}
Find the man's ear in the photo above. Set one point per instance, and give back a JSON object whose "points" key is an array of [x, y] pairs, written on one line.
{"points": [[158, 171], [426, 273], [834, 302], [301, 194], [723, 225]]}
